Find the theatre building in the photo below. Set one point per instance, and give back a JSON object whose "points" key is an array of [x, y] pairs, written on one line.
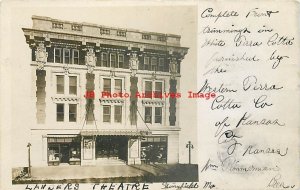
{"points": [[72, 65]]}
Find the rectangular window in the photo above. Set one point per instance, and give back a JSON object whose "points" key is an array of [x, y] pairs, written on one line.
{"points": [[72, 112], [60, 112], [66, 56], [104, 59], [75, 57], [158, 115], [118, 85], [120, 60], [148, 89], [106, 85], [60, 84], [118, 114], [106, 113], [148, 114], [105, 31], [146, 63], [57, 55], [113, 60], [121, 33], [158, 89], [161, 64], [73, 85], [153, 64], [146, 36]]}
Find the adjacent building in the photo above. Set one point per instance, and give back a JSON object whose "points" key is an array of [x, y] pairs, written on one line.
{"points": [[104, 95]]}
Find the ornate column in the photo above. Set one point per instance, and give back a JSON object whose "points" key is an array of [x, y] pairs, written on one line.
{"points": [[41, 56], [173, 89], [90, 62], [134, 62]]}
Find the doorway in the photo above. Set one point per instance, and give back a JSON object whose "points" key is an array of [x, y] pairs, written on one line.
{"points": [[65, 153]]}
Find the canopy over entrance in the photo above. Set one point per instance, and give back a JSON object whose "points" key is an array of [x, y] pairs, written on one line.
{"points": [[117, 132]]}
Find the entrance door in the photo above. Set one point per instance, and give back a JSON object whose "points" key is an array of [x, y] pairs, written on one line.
{"points": [[65, 153]]}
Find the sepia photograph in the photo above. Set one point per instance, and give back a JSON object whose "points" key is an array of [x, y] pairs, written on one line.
{"points": [[100, 93]]}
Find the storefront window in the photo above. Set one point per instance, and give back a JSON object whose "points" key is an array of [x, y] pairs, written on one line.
{"points": [[63, 150], [154, 150]]}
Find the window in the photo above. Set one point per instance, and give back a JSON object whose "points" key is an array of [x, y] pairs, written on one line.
{"points": [[153, 64], [60, 112], [120, 61], [148, 89], [106, 113], [118, 85], [146, 36], [161, 38], [72, 112], [113, 60], [66, 56], [158, 114], [148, 114], [106, 85], [146, 63], [105, 31], [158, 89], [121, 33], [76, 27], [57, 25], [118, 114], [60, 87], [161, 63], [104, 59], [73, 85], [75, 56], [57, 55]]}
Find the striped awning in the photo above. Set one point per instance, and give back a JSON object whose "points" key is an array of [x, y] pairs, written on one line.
{"points": [[61, 135], [114, 132]]}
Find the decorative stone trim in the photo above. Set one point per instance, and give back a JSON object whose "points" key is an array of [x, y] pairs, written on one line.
{"points": [[65, 99], [111, 101], [153, 102]]}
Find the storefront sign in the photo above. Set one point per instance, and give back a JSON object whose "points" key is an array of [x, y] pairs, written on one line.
{"points": [[87, 149], [134, 148]]}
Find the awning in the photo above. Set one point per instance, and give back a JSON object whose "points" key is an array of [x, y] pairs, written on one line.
{"points": [[61, 135], [114, 132]]}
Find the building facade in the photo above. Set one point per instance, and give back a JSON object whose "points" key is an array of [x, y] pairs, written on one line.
{"points": [[103, 94]]}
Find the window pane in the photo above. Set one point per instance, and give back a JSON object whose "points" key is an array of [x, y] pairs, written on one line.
{"points": [[161, 64], [106, 113], [148, 115], [158, 114], [73, 85], [146, 63], [75, 57], [104, 59], [106, 85], [118, 114], [60, 84], [72, 112], [57, 55], [113, 60], [148, 89], [120, 61], [153, 64], [158, 89], [59, 112], [66, 56], [118, 85]]}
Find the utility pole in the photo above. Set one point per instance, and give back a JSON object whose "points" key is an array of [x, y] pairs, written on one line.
{"points": [[29, 165], [189, 146]]}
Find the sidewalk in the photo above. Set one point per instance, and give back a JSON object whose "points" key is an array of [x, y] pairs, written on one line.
{"points": [[85, 172]]}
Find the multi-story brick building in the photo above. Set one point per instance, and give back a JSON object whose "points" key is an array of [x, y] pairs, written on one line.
{"points": [[82, 72]]}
